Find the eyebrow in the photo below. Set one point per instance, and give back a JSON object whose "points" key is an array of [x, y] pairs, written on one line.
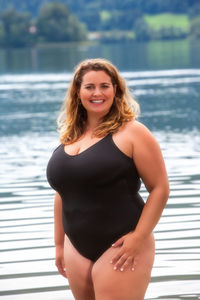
{"points": [[109, 83]]}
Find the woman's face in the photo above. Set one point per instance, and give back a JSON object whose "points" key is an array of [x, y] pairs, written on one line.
{"points": [[97, 92]]}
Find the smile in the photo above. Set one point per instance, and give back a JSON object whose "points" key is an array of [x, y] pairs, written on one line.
{"points": [[97, 101]]}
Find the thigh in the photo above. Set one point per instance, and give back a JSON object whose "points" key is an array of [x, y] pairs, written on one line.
{"points": [[78, 270], [127, 285]]}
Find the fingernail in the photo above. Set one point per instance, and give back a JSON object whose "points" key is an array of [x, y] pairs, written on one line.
{"points": [[132, 269], [113, 245], [115, 268], [111, 261], [122, 269]]}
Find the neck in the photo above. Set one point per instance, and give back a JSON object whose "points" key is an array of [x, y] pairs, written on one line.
{"points": [[92, 122]]}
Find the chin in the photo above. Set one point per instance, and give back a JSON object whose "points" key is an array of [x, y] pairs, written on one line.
{"points": [[101, 112]]}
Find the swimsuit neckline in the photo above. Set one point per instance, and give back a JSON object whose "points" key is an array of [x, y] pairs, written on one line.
{"points": [[86, 150], [109, 135]]}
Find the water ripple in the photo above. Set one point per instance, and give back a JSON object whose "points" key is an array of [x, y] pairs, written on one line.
{"points": [[26, 200]]}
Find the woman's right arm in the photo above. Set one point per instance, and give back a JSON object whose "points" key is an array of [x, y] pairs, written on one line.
{"points": [[59, 235]]}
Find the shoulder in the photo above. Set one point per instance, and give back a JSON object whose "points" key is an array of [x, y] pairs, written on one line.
{"points": [[137, 129], [135, 139], [140, 135], [58, 147]]}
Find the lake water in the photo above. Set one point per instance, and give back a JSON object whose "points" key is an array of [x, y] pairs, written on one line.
{"points": [[165, 78]]}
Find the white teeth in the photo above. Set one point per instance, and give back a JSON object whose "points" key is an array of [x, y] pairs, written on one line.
{"points": [[97, 101]]}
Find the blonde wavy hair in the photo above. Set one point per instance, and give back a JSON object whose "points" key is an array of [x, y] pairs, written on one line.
{"points": [[73, 117]]}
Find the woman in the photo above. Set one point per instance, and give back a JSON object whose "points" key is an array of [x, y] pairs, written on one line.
{"points": [[103, 229]]}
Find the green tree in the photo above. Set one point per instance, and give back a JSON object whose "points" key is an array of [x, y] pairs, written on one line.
{"points": [[116, 19], [56, 24], [195, 27], [194, 10], [91, 18], [14, 31], [142, 30]]}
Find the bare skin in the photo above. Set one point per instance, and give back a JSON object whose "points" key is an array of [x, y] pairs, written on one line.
{"points": [[123, 271], [97, 281]]}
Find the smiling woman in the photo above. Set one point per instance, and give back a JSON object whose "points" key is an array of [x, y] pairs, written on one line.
{"points": [[97, 92], [73, 117], [103, 228]]}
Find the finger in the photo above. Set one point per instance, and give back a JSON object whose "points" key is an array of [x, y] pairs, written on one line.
{"points": [[117, 256], [128, 263], [134, 264], [61, 268], [118, 242], [120, 262], [62, 272]]}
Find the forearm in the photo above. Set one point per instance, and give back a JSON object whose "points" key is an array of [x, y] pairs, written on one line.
{"points": [[58, 226], [152, 212]]}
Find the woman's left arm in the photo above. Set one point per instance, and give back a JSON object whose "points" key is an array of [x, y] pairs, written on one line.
{"points": [[151, 167]]}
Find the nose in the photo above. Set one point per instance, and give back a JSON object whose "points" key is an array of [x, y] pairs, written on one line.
{"points": [[97, 91]]}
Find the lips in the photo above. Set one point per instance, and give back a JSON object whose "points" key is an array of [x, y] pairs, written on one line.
{"points": [[97, 101]]}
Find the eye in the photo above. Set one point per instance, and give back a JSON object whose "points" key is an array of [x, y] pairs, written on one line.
{"points": [[89, 87], [105, 86]]}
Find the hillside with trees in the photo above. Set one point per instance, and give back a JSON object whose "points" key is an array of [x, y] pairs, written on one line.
{"points": [[108, 20], [54, 23]]}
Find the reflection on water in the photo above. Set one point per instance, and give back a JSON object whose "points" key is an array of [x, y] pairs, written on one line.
{"points": [[168, 53], [126, 56], [29, 106]]}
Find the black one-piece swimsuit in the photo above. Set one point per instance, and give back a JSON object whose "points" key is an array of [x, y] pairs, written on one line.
{"points": [[99, 190]]}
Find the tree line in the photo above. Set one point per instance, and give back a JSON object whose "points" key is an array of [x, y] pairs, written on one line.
{"points": [[28, 22], [80, 7], [54, 23]]}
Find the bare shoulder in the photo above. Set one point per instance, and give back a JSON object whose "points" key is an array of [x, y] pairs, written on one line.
{"points": [[135, 139], [139, 131], [142, 140]]}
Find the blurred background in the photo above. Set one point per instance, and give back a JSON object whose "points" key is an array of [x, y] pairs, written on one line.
{"points": [[155, 45]]}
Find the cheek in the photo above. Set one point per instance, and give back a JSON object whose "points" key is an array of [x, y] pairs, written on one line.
{"points": [[112, 92], [111, 95], [84, 94]]}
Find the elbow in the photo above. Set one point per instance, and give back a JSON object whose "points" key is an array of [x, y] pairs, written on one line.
{"points": [[165, 192], [167, 188], [161, 191]]}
